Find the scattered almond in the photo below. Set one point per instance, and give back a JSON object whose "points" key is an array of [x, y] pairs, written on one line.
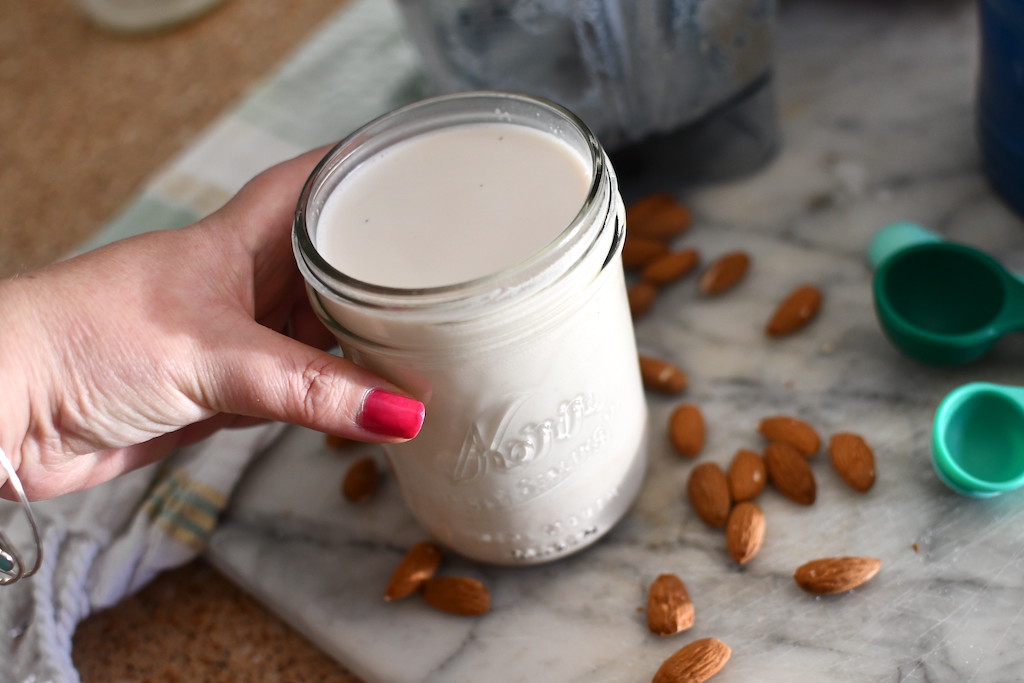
{"points": [[457, 595], [669, 267], [419, 564], [709, 493], [335, 442], [795, 311], [641, 297], [831, 575], [790, 473], [669, 607], [694, 663], [744, 532], [796, 433], [662, 376], [747, 475], [724, 273], [360, 482], [642, 209], [668, 221], [853, 459], [686, 430], [657, 216], [639, 251]]}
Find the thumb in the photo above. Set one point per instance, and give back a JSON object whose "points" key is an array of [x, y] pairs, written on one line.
{"points": [[273, 377]]}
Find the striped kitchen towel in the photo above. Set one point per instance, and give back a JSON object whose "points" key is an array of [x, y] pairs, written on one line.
{"points": [[105, 543]]}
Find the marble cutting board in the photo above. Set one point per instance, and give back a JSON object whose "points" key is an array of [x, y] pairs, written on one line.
{"points": [[876, 103]]}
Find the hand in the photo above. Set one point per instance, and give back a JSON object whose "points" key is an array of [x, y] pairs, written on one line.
{"points": [[110, 360]]}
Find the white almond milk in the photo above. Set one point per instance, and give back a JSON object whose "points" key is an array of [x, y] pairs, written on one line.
{"points": [[452, 205], [477, 266]]}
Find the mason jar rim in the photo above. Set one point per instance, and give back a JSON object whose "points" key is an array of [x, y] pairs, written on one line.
{"points": [[327, 279]]}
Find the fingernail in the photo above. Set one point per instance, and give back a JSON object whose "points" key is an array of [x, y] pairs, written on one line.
{"points": [[389, 414]]}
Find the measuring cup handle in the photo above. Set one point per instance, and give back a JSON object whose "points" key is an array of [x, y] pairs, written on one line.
{"points": [[896, 237], [1011, 319]]}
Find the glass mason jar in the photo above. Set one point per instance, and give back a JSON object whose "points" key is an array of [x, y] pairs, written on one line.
{"points": [[533, 444]]}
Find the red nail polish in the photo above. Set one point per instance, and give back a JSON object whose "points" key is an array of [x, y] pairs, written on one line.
{"points": [[389, 414]]}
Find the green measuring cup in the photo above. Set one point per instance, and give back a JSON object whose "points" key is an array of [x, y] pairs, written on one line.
{"points": [[941, 302], [978, 439]]}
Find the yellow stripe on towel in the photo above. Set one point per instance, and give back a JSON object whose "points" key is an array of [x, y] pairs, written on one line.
{"points": [[186, 509]]}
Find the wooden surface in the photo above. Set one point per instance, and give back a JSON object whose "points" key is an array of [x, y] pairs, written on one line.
{"points": [[86, 118]]}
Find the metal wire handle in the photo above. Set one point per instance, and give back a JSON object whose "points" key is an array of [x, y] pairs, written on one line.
{"points": [[12, 566]]}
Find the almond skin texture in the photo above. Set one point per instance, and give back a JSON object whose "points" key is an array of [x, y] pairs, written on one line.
{"points": [[459, 595], [669, 607], [686, 430], [796, 433], [661, 376], [639, 251], [642, 209], [724, 273], [360, 482], [831, 575], [790, 473], [670, 221], [747, 475], [641, 297], [657, 216], [853, 459], [709, 493], [672, 266], [795, 311], [419, 564], [335, 442], [744, 532], [694, 663]]}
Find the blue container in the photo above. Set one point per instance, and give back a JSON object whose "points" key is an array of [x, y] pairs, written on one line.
{"points": [[1001, 97]]}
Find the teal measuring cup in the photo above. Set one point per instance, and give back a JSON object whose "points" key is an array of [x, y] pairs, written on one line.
{"points": [[978, 439], [941, 302]]}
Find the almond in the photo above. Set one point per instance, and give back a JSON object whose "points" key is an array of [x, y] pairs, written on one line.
{"points": [[639, 251], [686, 430], [796, 433], [419, 564], [744, 532], [642, 209], [670, 267], [724, 273], [457, 595], [669, 607], [853, 459], [641, 297], [795, 311], [694, 663], [664, 222], [335, 442], [747, 475], [662, 376], [790, 473], [360, 482], [709, 493], [836, 574], [657, 216]]}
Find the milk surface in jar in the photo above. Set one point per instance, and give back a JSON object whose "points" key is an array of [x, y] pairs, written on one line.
{"points": [[474, 200], [467, 249]]}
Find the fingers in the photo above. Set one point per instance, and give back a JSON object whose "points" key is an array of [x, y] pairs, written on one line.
{"points": [[307, 328], [270, 376], [267, 202]]}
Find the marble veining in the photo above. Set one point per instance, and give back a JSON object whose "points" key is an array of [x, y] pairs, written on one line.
{"points": [[876, 101]]}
